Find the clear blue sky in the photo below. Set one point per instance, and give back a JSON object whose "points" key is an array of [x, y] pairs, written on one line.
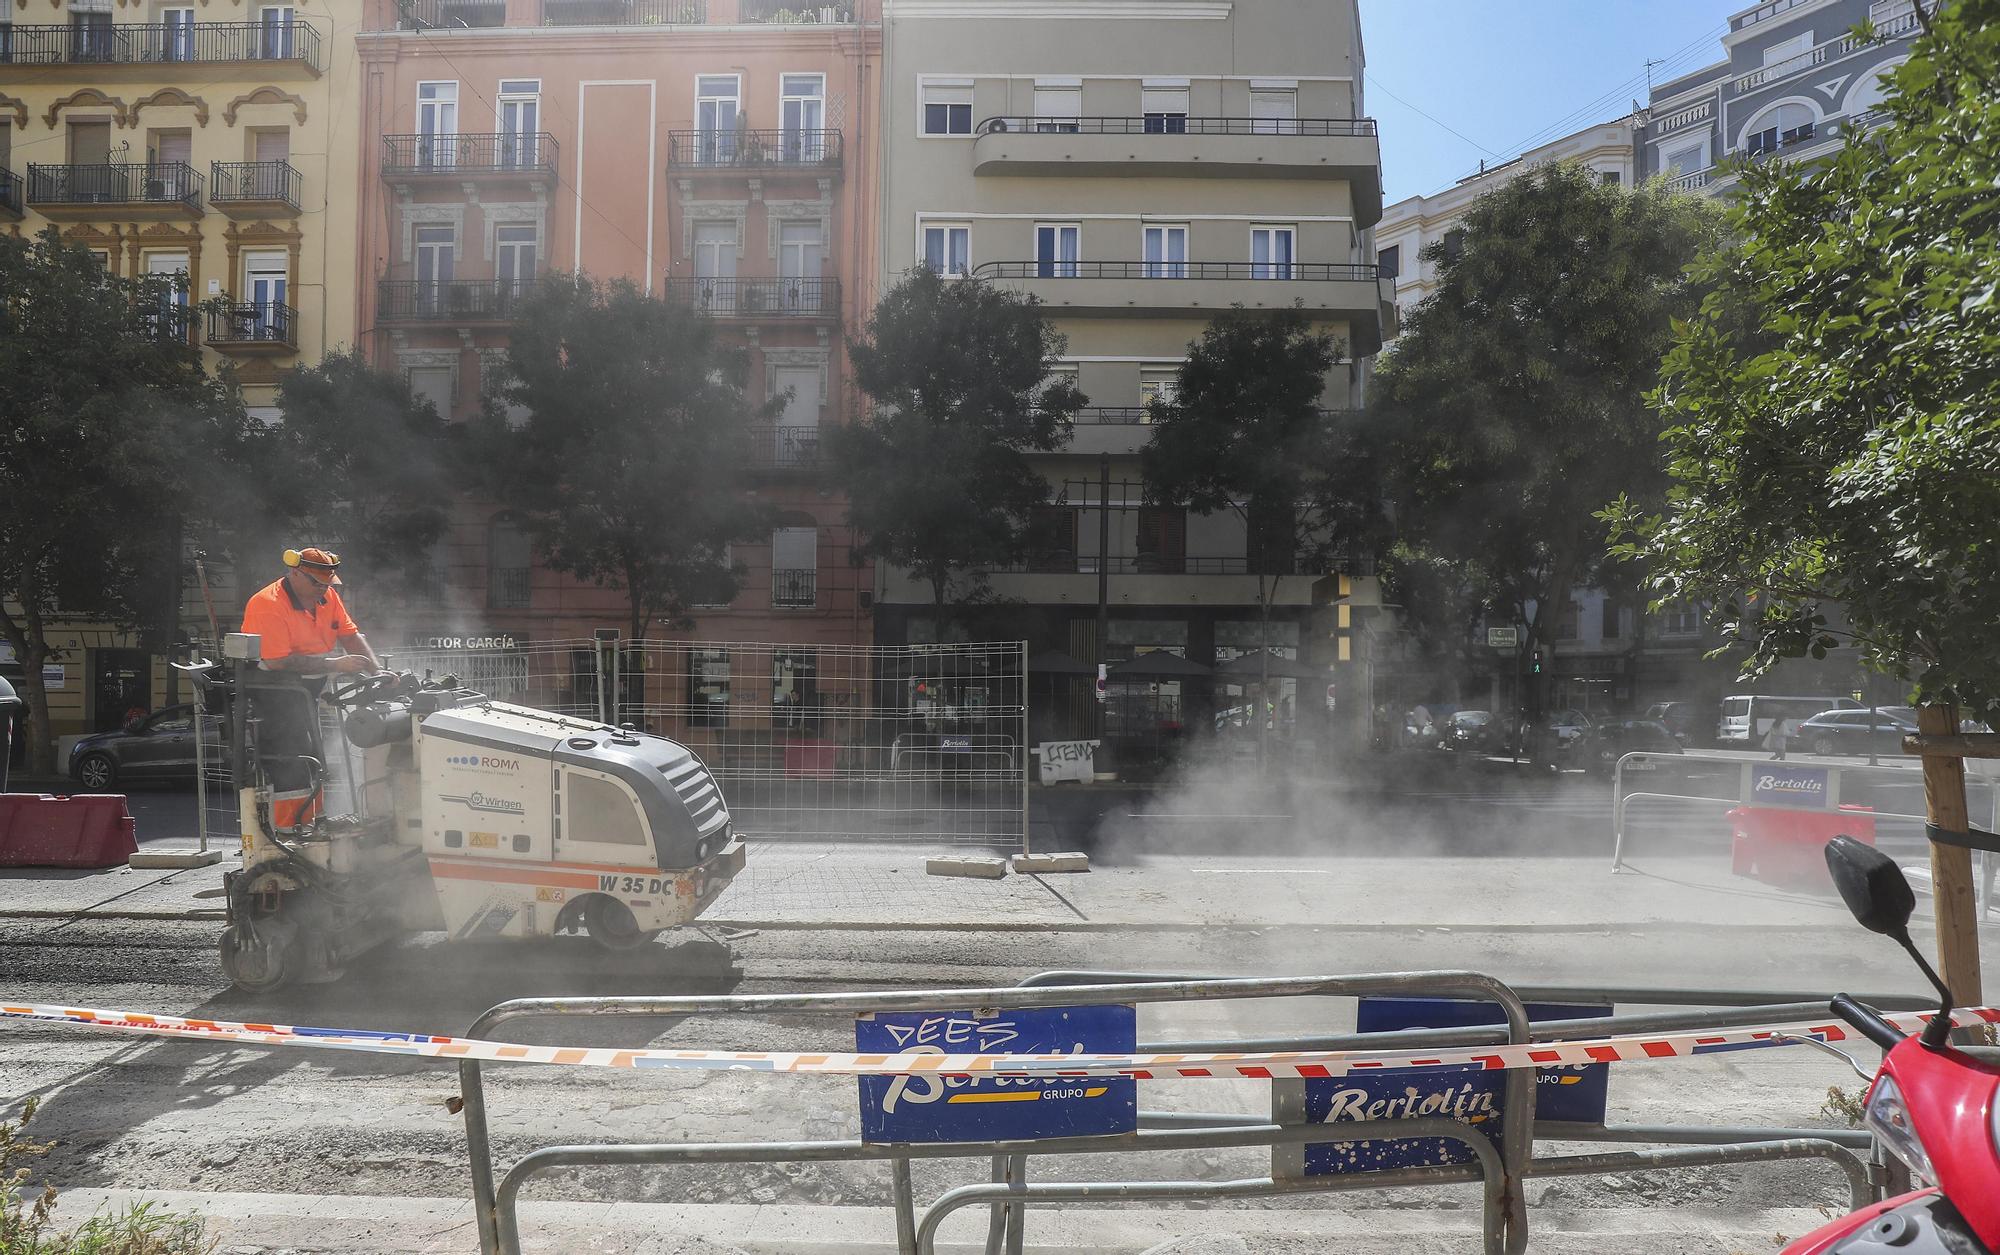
{"points": [[1509, 74]]}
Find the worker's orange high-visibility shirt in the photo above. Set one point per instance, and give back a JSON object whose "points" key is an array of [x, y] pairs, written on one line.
{"points": [[288, 627]]}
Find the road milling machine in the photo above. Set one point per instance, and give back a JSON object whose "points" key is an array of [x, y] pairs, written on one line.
{"points": [[474, 816]]}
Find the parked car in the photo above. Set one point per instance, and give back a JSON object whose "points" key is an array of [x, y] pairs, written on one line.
{"points": [[1856, 731], [1551, 737], [1680, 718], [158, 746], [1600, 748], [1471, 731], [1747, 719]]}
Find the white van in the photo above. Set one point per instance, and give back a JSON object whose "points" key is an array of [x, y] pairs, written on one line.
{"points": [[1747, 720]]}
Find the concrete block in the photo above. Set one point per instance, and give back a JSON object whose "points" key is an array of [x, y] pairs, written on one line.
{"points": [[976, 866], [1038, 864]]}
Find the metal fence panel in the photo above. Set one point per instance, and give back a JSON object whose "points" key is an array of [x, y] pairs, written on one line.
{"points": [[918, 743]]}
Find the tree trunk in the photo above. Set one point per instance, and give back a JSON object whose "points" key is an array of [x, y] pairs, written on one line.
{"points": [[1264, 599], [635, 599], [1952, 894], [939, 583]]}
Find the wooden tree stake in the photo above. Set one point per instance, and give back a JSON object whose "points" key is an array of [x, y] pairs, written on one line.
{"points": [[1951, 866]]}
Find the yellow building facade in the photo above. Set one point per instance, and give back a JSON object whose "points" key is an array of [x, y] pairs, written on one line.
{"points": [[211, 139]]}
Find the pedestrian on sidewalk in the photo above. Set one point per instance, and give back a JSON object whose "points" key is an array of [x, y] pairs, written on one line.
{"points": [[1775, 740]]}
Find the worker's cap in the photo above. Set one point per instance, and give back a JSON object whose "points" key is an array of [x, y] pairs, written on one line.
{"points": [[319, 560]]}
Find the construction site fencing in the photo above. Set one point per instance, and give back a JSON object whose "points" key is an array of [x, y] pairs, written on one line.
{"points": [[1499, 1166], [808, 742]]}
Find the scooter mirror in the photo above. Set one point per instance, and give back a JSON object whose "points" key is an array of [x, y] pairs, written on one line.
{"points": [[1872, 886]]}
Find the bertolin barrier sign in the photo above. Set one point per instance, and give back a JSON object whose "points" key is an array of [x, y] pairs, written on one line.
{"points": [[1571, 1093], [1782, 784], [929, 1108]]}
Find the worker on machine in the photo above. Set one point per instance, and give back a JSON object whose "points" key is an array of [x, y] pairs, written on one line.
{"points": [[303, 628]]}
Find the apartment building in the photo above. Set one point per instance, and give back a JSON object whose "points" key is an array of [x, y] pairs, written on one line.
{"points": [[1412, 224], [718, 153], [1792, 80], [1139, 166], [215, 143]]}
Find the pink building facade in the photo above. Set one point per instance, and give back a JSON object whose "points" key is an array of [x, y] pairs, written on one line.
{"points": [[717, 153]]}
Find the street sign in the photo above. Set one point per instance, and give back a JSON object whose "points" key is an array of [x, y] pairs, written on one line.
{"points": [[977, 1109], [1503, 637], [1473, 1095]]}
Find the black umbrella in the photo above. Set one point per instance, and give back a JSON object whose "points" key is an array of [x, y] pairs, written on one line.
{"points": [[1158, 665], [1254, 664], [1056, 662]]}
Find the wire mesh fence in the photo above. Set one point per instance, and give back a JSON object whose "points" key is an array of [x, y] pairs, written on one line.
{"points": [[922, 743]]}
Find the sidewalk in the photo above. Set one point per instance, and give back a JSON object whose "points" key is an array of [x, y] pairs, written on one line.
{"points": [[869, 887], [373, 1225]]}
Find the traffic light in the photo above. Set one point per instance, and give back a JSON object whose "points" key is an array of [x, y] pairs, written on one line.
{"points": [[1535, 663]]}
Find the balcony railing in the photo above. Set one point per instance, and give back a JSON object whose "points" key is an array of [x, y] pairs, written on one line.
{"points": [[1060, 562], [155, 183], [794, 590], [1898, 27], [161, 44], [1319, 271], [1175, 124], [230, 181], [271, 323], [758, 298], [454, 156], [735, 150], [10, 193], [1693, 181], [450, 300], [793, 12], [170, 319], [783, 448], [624, 12], [1694, 113], [450, 15], [1763, 12], [1141, 415]]}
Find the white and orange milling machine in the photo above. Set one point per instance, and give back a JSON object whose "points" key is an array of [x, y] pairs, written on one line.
{"points": [[474, 816]]}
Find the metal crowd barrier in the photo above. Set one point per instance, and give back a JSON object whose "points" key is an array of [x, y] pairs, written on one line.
{"points": [[1500, 1170]]}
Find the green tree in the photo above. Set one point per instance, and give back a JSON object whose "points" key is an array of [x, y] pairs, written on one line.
{"points": [[1248, 433], [119, 449], [1835, 407], [369, 465], [1513, 407], [937, 474], [628, 470]]}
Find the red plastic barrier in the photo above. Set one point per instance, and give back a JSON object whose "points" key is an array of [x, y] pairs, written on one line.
{"points": [[1783, 847], [47, 830]]}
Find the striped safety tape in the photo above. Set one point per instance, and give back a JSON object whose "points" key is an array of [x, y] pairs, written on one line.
{"points": [[1283, 1064]]}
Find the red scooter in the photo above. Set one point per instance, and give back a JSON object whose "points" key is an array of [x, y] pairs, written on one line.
{"points": [[1933, 1105]]}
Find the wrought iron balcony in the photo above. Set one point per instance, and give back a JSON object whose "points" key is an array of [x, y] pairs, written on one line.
{"points": [[794, 590], [522, 154], [1178, 124], [1301, 271], [264, 185], [759, 298], [451, 15], [624, 12], [793, 12], [449, 300], [783, 448], [168, 184], [753, 150], [156, 43], [10, 193], [258, 326]]}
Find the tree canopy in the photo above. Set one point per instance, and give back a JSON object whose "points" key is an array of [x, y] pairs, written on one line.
{"points": [[1834, 408], [628, 469], [961, 376], [118, 449], [1513, 407], [371, 465], [1248, 432]]}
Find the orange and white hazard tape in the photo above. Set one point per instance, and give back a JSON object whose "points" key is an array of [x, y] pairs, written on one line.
{"points": [[1282, 1064]]}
